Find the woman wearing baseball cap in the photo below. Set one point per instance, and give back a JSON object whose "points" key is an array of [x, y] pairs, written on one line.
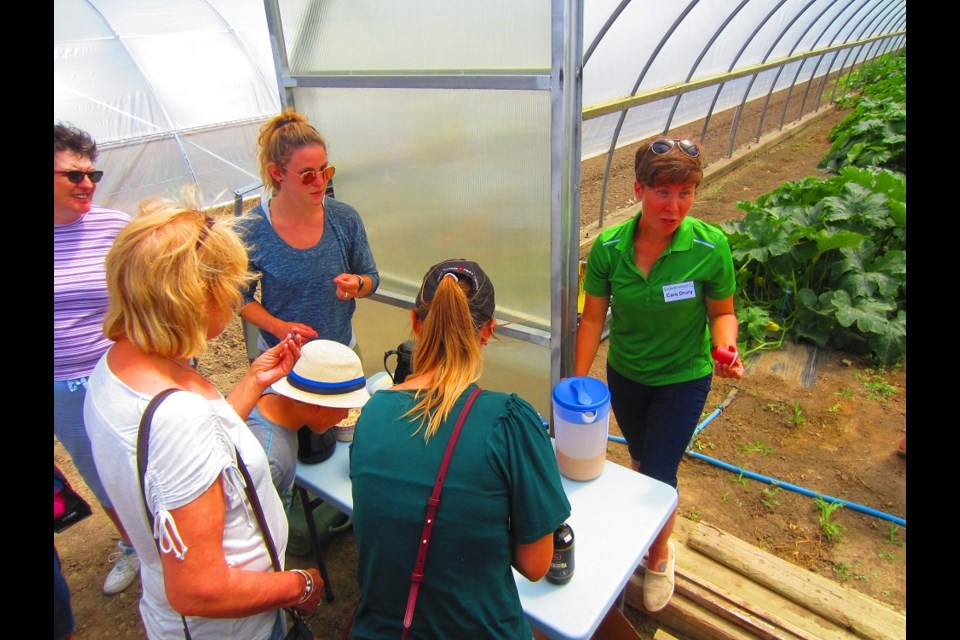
{"points": [[502, 496]]}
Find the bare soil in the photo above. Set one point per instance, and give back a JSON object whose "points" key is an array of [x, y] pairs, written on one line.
{"points": [[825, 425]]}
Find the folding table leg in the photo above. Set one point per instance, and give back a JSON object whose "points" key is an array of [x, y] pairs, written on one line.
{"points": [[312, 527]]}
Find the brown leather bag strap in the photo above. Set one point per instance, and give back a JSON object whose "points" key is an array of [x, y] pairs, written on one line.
{"points": [[254, 500], [143, 450], [432, 503]]}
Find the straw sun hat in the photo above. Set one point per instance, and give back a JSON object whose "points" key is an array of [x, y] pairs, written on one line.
{"points": [[328, 374]]}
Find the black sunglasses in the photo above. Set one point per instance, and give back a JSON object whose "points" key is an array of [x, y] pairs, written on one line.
{"points": [[688, 147], [76, 177]]}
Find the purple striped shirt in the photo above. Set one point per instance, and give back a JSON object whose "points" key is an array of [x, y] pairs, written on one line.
{"points": [[80, 290]]}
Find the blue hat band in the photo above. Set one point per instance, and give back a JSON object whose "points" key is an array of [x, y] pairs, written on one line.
{"points": [[325, 388]]}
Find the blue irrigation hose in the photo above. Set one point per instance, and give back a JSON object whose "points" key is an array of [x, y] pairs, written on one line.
{"points": [[793, 487], [777, 483]]}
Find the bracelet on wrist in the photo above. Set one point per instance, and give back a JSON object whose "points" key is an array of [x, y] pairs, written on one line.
{"points": [[309, 586], [360, 287]]}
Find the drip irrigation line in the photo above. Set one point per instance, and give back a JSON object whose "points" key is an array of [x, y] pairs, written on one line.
{"points": [[792, 487], [777, 483]]}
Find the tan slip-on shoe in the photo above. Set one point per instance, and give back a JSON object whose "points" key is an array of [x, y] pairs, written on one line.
{"points": [[658, 585]]}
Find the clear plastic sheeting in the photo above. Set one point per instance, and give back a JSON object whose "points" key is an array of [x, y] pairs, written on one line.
{"points": [[165, 88], [643, 45]]}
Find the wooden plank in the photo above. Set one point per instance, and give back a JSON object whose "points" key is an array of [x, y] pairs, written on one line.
{"points": [[851, 610], [692, 563], [740, 613]]}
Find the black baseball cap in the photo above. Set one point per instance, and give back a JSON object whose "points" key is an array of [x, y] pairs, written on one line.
{"points": [[481, 296]]}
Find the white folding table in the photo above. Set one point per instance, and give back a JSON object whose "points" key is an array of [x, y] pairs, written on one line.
{"points": [[615, 518]]}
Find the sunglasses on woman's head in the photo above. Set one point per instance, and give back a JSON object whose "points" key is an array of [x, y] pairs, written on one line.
{"points": [[310, 175], [688, 147], [76, 177]]}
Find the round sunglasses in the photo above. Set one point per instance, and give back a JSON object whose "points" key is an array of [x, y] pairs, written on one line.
{"points": [[76, 177], [310, 175], [688, 147]]}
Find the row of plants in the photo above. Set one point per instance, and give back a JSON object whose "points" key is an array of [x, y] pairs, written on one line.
{"points": [[824, 259]]}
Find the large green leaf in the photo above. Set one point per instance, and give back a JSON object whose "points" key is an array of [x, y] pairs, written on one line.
{"points": [[890, 344], [859, 205], [890, 183], [892, 262], [754, 320], [862, 275], [870, 315], [763, 240], [811, 321], [837, 239], [898, 212]]}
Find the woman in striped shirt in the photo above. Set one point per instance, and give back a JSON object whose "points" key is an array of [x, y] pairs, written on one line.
{"points": [[82, 235]]}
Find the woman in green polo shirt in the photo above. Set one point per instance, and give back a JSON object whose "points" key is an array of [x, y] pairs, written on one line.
{"points": [[669, 280]]}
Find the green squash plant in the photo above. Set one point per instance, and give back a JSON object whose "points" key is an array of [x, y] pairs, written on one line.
{"points": [[824, 260]]}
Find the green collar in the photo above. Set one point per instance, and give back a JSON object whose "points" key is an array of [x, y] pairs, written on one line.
{"points": [[682, 238]]}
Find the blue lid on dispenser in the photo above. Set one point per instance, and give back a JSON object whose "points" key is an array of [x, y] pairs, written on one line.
{"points": [[581, 394]]}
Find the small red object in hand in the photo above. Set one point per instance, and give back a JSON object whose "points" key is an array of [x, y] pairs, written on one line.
{"points": [[725, 355]]}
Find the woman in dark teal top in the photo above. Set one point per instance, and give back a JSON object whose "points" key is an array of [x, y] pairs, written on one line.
{"points": [[502, 497], [670, 282]]}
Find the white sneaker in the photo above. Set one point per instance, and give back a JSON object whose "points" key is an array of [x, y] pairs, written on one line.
{"points": [[124, 572]]}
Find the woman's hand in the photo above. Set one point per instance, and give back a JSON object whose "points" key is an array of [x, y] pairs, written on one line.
{"points": [[270, 366], [733, 370], [723, 333], [257, 315], [276, 362], [348, 286], [301, 332]]}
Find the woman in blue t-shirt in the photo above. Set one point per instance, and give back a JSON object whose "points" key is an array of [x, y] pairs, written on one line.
{"points": [[309, 249]]}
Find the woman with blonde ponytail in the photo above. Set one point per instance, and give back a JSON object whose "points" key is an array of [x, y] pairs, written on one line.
{"points": [[309, 250], [502, 496]]}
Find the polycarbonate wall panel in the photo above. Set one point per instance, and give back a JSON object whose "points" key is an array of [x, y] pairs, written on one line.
{"points": [[510, 365], [75, 20], [440, 174], [437, 35]]}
